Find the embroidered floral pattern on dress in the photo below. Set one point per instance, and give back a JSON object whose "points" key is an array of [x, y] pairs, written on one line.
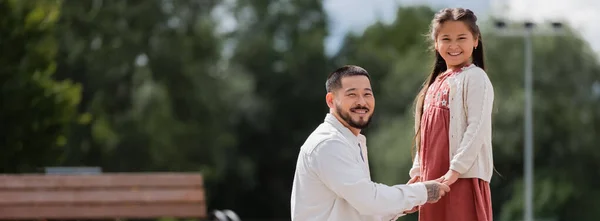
{"points": [[438, 92], [439, 99]]}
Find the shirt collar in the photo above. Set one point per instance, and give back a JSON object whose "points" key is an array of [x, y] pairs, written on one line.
{"points": [[331, 119]]}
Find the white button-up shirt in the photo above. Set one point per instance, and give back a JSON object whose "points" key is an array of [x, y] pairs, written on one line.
{"points": [[333, 183]]}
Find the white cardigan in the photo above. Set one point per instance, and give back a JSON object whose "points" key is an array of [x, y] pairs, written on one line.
{"points": [[470, 125]]}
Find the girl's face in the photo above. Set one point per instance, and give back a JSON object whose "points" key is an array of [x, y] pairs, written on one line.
{"points": [[455, 43]]}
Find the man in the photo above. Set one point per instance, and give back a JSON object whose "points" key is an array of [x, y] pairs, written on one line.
{"points": [[332, 180]]}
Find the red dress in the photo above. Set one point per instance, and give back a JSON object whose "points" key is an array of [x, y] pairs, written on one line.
{"points": [[469, 198]]}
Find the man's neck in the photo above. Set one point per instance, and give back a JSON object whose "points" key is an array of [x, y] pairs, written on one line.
{"points": [[354, 131]]}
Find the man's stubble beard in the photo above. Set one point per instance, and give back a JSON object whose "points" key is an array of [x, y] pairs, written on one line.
{"points": [[346, 117]]}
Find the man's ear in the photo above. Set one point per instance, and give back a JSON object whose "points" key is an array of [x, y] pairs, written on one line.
{"points": [[329, 99]]}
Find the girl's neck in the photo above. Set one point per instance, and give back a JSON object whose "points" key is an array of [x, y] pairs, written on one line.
{"points": [[458, 67]]}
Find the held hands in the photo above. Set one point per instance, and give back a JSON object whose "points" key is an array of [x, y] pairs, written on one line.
{"points": [[449, 178], [436, 189]]}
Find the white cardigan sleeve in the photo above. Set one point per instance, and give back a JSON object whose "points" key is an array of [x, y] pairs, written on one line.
{"points": [[415, 170], [416, 167], [478, 99]]}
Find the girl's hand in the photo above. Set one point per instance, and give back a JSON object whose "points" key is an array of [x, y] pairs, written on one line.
{"points": [[414, 180], [449, 178]]}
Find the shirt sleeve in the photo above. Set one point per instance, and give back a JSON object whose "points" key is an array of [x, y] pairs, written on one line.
{"points": [[392, 217], [479, 99], [341, 171]]}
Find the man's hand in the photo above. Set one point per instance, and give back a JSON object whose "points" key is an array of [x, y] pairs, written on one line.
{"points": [[435, 190]]}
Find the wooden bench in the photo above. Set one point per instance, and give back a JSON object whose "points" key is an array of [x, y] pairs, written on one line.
{"points": [[104, 196]]}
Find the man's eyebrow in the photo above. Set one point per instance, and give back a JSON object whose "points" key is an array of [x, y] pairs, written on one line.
{"points": [[354, 89]]}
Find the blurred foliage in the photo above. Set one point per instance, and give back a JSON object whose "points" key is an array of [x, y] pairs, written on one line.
{"points": [[232, 89], [35, 109]]}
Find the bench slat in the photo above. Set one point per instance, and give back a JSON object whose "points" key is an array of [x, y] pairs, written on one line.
{"points": [[109, 180], [101, 196], [104, 211]]}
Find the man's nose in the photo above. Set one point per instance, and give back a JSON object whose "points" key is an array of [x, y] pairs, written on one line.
{"points": [[361, 100]]}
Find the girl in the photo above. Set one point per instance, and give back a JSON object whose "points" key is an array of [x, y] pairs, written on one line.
{"points": [[453, 121]]}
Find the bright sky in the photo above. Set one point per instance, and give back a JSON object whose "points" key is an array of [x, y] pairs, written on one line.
{"points": [[356, 15]]}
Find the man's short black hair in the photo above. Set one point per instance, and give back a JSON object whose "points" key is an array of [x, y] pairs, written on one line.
{"points": [[334, 81]]}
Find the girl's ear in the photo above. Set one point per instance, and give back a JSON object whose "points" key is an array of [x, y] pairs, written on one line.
{"points": [[476, 43], [435, 45]]}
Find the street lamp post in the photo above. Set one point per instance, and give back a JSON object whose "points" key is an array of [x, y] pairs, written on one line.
{"points": [[527, 34]]}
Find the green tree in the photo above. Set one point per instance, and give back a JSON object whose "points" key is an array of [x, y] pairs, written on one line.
{"points": [[35, 109], [159, 95], [565, 115], [280, 44]]}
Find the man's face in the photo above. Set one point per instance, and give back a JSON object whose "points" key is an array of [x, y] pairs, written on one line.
{"points": [[353, 102]]}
